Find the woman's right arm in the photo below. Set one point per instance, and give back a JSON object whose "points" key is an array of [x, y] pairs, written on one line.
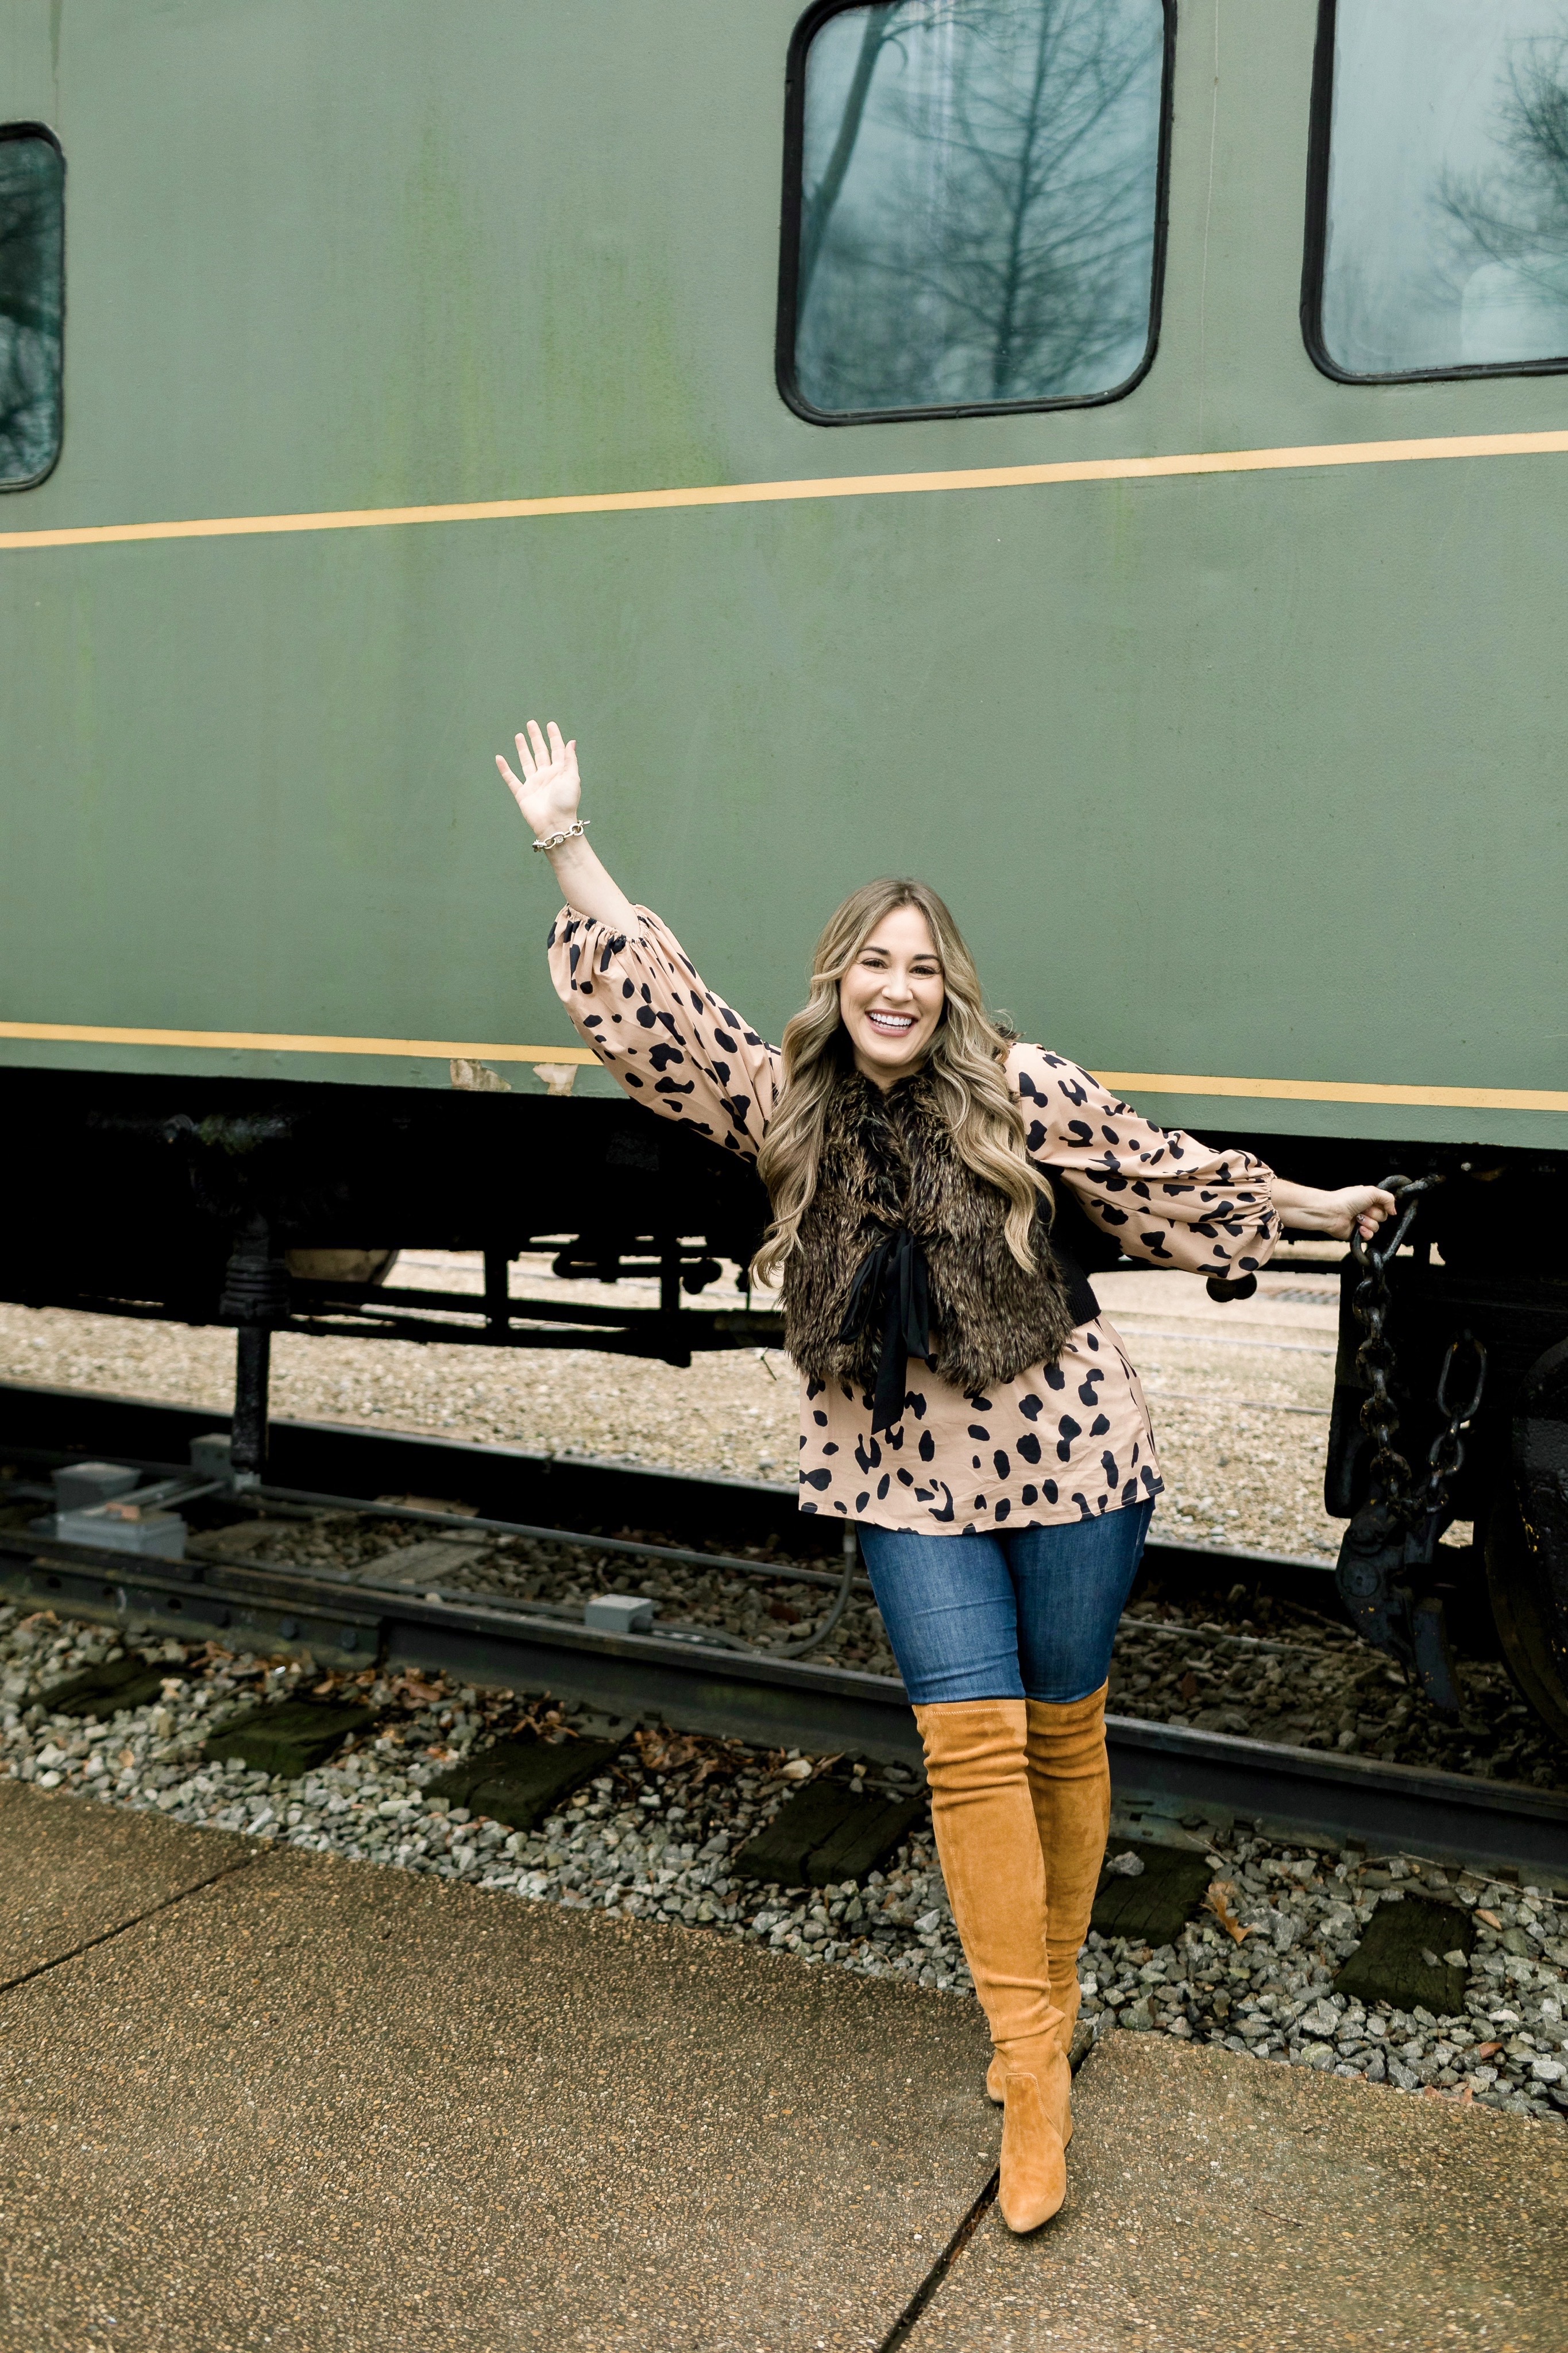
{"points": [[548, 793], [632, 991]]}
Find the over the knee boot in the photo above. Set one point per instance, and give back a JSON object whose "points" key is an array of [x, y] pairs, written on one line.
{"points": [[989, 1844], [1069, 1786]]}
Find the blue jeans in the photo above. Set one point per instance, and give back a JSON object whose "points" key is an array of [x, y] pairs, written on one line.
{"points": [[1025, 1614]]}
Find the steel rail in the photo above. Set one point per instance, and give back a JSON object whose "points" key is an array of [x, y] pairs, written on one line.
{"points": [[343, 1619], [306, 1504], [309, 1504], [46, 1425]]}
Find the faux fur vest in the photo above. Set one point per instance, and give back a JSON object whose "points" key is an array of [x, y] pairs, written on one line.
{"points": [[889, 1168]]}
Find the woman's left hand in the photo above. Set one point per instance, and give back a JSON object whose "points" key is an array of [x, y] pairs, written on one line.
{"points": [[1358, 1208]]}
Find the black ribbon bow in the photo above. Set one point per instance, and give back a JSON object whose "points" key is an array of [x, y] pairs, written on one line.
{"points": [[891, 1294]]}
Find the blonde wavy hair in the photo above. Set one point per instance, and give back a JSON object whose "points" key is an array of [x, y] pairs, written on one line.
{"points": [[965, 1062]]}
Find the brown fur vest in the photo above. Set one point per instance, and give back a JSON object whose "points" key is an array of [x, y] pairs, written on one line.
{"points": [[888, 1161]]}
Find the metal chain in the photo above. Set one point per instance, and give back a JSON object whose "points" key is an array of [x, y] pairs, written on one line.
{"points": [[1389, 1554], [1390, 1475], [1448, 1455]]}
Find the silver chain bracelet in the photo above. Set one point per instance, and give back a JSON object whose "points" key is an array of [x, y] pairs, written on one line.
{"points": [[573, 832]]}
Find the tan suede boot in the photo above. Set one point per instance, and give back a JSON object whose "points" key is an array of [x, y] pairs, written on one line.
{"points": [[1069, 1786], [989, 1844]]}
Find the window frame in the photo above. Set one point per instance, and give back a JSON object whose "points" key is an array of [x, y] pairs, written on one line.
{"points": [[42, 130], [789, 211], [1315, 245]]}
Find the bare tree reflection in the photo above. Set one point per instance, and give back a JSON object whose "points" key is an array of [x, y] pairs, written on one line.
{"points": [[981, 229], [820, 201], [31, 176], [1514, 215]]}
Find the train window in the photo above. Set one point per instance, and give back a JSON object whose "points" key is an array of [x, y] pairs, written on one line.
{"points": [[1438, 232], [974, 204], [32, 302]]}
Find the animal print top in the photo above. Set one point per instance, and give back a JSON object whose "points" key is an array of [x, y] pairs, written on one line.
{"points": [[1063, 1441]]}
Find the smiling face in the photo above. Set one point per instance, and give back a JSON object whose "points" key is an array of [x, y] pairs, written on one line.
{"points": [[891, 999]]}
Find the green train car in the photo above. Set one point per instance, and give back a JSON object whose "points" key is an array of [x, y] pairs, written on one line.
{"points": [[1113, 466]]}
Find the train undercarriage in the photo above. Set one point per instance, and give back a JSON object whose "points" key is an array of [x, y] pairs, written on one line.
{"points": [[231, 1202]]}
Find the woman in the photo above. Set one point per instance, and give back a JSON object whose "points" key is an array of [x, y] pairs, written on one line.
{"points": [[962, 1397]]}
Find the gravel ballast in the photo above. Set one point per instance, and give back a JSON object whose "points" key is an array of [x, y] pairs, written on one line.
{"points": [[657, 1835]]}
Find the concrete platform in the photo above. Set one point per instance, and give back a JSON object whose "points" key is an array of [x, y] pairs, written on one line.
{"points": [[320, 2105], [1225, 2205], [72, 1872], [325, 2107]]}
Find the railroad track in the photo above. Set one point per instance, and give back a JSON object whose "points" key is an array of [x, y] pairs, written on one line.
{"points": [[345, 1618]]}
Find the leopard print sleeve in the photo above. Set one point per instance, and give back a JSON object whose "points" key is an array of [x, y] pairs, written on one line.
{"points": [[643, 1007], [1162, 1195]]}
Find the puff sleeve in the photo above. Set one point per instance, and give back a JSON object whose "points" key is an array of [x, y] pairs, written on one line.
{"points": [[640, 1003], [1160, 1195]]}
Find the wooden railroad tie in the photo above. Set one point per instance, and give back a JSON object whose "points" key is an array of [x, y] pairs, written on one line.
{"points": [[519, 1782], [827, 1832]]}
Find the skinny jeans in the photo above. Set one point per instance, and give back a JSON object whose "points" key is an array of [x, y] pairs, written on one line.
{"points": [[1029, 1613]]}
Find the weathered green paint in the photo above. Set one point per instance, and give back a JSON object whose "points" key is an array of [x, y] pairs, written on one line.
{"points": [[1253, 774]]}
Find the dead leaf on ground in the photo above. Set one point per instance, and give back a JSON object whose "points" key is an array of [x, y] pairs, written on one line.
{"points": [[1221, 1894], [412, 1685], [544, 1719], [673, 1752], [1490, 1917], [664, 1752]]}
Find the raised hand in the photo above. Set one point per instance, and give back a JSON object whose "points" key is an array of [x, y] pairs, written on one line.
{"points": [[549, 789], [548, 792]]}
